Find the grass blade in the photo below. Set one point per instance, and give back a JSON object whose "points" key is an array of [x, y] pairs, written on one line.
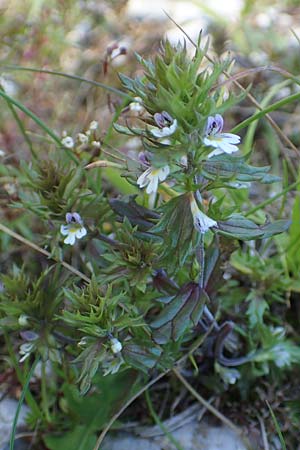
{"points": [[70, 76], [281, 438], [160, 423], [25, 387]]}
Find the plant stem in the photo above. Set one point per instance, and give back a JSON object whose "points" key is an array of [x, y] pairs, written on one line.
{"points": [[45, 404]]}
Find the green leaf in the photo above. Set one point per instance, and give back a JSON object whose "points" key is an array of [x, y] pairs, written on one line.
{"points": [[239, 227], [277, 227], [256, 309], [142, 356], [225, 167], [293, 254], [176, 228], [183, 311], [76, 438], [136, 214]]}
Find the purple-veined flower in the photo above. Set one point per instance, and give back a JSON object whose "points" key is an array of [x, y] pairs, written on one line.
{"points": [[151, 177], [223, 142], [202, 222], [74, 228], [166, 125]]}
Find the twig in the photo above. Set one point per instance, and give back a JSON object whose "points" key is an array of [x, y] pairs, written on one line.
{"points": [[212, 409], [44, 252], [263, 433], [207, 405]]}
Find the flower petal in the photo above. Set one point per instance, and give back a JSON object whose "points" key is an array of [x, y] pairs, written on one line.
{"points": [[142, 180], [153, 184], [215, 152], [231, 138], [228, 148], [81, 232], [202, 222], [70, 239], [165, 131], [163, 173], [64, 229]]}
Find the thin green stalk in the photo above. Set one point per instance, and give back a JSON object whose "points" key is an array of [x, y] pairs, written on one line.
{"points": [[22, 129], [160, 423], [72, 77], [21, 400], [201, 260], [39, 122], [248, 141], [271, 200], [263, 112], [45, 404]]}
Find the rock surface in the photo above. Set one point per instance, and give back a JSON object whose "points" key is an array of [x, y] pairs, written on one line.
{"points": [[193, 436], [8, 409]]}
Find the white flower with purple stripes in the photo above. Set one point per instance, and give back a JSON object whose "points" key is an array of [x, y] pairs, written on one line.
{"points": [[151, 177], [166, 125], [74, 228], [222, 142]]}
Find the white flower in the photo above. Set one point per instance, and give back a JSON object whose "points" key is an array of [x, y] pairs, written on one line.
{"points": [[167, 125], [165, 131], [136, 105], [67, 142], [82, 138], [96, 144], [281, 355], [23, 320], [151, 177], [25, 350], [223, 142], [74, 228], [93, 125], [202, 222], [115, 345], [2, 153]]}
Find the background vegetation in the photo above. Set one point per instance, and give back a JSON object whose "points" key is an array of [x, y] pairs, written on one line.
{"points": [[60, 63]]}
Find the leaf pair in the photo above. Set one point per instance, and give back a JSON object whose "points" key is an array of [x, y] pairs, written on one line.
{"points": [[182, 311]]}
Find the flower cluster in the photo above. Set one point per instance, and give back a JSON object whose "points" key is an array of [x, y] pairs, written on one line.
{"points": [[213, 137], [82, 139]]}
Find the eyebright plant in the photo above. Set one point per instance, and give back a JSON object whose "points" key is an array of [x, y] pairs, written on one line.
{"points": [[151, 264]]}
